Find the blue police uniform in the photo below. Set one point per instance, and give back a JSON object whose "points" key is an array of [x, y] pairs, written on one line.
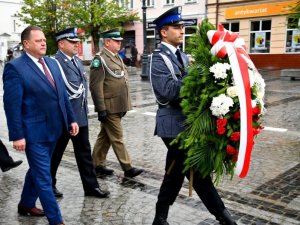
{"points": [[76, 85], [168, 67]]}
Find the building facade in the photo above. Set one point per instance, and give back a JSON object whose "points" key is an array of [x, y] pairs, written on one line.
{"points": [[272, 39], [11, 26], [193, 11]]}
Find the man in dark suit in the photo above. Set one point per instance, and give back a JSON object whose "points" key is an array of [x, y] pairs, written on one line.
{"points": [[110, 92], [76, 85], [167, 69], [6, 161], [38, 111]]}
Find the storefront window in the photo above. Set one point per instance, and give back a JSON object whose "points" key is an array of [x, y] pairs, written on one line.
{"points": [[293, 36], [232, 26], [150, 40], [260, 36]]}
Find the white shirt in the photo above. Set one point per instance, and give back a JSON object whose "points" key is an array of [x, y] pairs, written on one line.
{"points": [[171, 47], [39, 65]]}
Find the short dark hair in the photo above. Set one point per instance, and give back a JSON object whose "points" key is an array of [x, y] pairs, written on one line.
{"points": [[25, 35]]}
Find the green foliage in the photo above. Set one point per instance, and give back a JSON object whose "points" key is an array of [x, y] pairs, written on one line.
{"points": [[205, 150], [295, 15], [92, 16]]}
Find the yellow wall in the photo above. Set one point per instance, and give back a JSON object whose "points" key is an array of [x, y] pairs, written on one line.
{"points": [[278, 31]]}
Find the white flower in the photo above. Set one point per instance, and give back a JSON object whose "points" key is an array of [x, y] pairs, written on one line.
{"points": [[232, 91], [260, 85], [220, 105], [253, 103], [219, 70]]}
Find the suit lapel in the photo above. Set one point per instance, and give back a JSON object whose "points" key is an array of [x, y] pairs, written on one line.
{"points": [[37, 70], [171, 55], [69, 63], [115, 59]]}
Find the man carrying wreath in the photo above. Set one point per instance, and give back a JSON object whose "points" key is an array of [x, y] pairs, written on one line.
{"points": [[168, 67]]}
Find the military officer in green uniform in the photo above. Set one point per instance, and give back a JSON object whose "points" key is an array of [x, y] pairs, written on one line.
{"points": [[110, 92]]}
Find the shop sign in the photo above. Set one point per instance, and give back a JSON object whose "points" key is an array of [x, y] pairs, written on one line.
{"points": [[260, 40], [259, 10]]}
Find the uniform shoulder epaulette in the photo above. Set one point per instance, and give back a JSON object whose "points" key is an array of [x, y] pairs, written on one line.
{"points": [[96, 62]]}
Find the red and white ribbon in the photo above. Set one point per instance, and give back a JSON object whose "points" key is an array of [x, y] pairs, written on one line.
{"points": [[227, 43]]}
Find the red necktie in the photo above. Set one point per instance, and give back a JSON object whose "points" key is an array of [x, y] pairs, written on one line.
{"points": [[47, 73]]}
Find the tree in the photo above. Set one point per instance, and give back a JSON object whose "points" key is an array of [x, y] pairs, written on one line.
{"points": [[89, 15], [295, 15]]}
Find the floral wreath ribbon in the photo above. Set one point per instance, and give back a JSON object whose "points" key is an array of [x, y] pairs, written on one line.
{"points": [[227, 43]]}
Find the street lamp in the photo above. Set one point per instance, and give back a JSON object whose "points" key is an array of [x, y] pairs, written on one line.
{"points": [[144, 74]]}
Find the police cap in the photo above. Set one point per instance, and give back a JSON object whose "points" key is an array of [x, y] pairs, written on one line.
{"points": [[69, 34], [112, 34], [170, 17]]}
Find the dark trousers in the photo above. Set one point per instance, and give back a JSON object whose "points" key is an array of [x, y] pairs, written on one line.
{"points": [[5, 159], [82, 150], [173, 181]]}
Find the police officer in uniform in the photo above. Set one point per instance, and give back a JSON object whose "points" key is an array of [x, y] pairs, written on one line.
{"points": [[110, 92], [168, 66], [76, 85]]}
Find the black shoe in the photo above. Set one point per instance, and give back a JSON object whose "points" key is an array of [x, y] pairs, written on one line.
{"points": [[133, 172], [160, 221], [97, 192], [13, 164], [56, 192], [103, 170], [225, 218]]}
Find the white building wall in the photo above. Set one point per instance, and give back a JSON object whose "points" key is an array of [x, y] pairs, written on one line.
{"points": [[10, 25]]}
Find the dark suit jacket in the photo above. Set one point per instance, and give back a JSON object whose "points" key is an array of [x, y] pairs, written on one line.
{"points": [[169, 119], [34, 109], [75, 79]]}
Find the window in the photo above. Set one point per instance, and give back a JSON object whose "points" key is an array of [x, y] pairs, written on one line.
{"points": [[293, 36], [127, 4], [149, 3], [232, 26], [189, 31], [190, 1], [169, 2], [150, 40], [260, 36]]}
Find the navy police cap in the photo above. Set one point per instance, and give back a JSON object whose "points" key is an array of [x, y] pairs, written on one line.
{"points": [[112, 34], [69, 34], [172, 16]]}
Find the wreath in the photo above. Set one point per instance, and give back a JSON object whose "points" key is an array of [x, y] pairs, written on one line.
{"points": [[222, 98]]}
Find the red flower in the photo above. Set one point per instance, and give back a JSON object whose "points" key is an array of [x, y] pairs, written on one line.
{"points": [[230, 150], [256, 130], [235, 158], [221, 122], [235, 136], [237, 115], [221, 130], [256, 110]]}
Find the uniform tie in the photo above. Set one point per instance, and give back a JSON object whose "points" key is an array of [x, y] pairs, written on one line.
{"points": [[47, 73], [178, 55], [74, 63]]}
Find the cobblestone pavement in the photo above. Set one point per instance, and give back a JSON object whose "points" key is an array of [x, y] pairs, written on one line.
{"points": [[268, 195]]}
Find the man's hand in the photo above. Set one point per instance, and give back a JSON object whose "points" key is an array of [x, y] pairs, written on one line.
{"points": [[19, 145], [102, 116], [74, 129]]}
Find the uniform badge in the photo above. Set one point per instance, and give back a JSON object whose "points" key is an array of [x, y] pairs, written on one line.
{"points": [[96, 63]]}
